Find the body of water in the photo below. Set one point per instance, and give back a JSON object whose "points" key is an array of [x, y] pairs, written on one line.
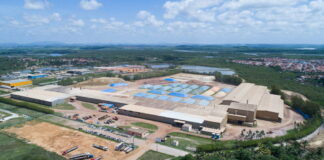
{"points": [[204, 69]]}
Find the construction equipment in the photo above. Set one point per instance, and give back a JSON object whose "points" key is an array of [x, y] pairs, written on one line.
{"points": [[103, 117], [129, 150], [119, 146], [81, 156], [72, 99], [69, 150], [104, 148]]}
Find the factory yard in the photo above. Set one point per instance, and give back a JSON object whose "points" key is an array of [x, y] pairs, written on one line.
{"points": [[178, 111], [130, 95], [57, 139]]}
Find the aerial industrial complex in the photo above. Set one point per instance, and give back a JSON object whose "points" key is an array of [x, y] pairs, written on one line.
{"points": [[181, 100]]}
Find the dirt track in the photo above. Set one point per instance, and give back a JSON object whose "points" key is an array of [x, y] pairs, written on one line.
{"points": [[57, 139]]}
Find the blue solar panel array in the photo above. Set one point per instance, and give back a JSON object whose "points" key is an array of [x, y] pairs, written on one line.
{"points": [[177, 92]]}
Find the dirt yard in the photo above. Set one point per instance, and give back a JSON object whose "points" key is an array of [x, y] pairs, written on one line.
{"points": [[317, 141], [57, 139], [99, 81]]}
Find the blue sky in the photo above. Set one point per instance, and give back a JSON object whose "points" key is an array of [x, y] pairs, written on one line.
{"points": [[162, 21]]}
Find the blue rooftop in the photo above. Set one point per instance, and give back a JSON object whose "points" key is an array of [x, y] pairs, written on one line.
{"points": [[175, 99], [158, 92], [201, 97], [170, 80], [177, 94], [109, 90], [118, 84], [140, 95]]}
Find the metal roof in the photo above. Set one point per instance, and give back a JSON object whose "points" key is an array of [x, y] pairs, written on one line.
{"points": [[44, 95], [15, 81], [182, 116]]}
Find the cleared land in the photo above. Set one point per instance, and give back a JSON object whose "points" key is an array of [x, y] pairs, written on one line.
{"points": [[153, 155], [56, 139]]}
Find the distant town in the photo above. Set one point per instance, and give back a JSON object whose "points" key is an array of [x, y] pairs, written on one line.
{"points": [[296, 65]]}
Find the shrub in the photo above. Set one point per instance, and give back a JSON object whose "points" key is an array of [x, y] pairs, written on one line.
{"points": [[27, 105], [235, 80]]}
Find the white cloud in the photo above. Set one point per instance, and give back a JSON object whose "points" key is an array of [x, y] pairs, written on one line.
{"points": [[148, 18], [99, 20], [36, 19], [36, 4], [90, 4], [77, 22], [56, 17], [202, 10], [243, 4], [108, 24]]}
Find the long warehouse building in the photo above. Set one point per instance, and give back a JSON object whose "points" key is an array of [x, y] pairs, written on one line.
{"points": [[44, 97], [16, 83], [174, 117]]}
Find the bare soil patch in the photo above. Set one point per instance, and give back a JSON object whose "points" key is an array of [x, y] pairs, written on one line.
{"points": [[57, 139]]}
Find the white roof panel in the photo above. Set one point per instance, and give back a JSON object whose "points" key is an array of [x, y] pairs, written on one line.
{"points": [[182, 116]]}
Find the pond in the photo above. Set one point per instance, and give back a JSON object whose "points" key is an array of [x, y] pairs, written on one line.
{"points": [[204, 69]]}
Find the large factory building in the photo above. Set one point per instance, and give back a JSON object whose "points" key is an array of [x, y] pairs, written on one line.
{"points": [[44, 97]]}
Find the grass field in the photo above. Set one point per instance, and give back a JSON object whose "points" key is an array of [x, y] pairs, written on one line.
{"points": [[20, 110], [89, 106], [186, 141], [145, 125], [153, 155], [12, 148], [64, 106], [4, 114], [3, 92]]}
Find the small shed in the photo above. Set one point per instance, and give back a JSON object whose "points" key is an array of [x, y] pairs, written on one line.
{"points": [[187, 127]]}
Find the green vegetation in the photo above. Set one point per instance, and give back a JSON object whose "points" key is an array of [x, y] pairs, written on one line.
{"points": [[186, 141], [153, 155], [28, 105], [235, 80], [20, 110], [307, 107], [146, 75], [3, 92], [276, 90], [145, 125], [64, 106], [40, 81], [265, 151], [12, 148], [14, 122], [4, 114], [89, 106]]}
